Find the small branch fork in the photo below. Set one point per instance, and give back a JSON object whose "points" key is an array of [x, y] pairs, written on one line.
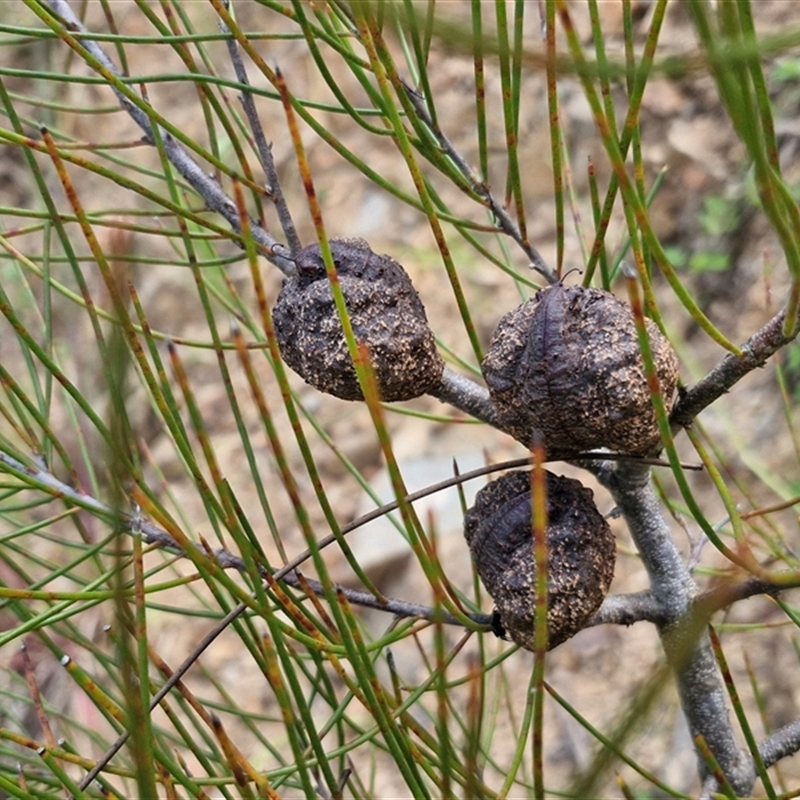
{"points": [[681, 614], [263, 147]]}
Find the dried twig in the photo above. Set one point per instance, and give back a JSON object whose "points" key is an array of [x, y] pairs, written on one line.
{"points": [[263, 147], [726, 594], [502, 216], [208, 188], [755, 352], [132, 524]]}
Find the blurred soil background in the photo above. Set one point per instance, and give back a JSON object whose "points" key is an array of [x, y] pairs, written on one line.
{"points": [[706, 215]]}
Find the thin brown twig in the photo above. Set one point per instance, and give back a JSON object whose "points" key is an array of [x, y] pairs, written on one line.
{"points": [[725, 594]]}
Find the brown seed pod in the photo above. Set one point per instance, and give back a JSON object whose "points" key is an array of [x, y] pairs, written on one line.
{"points": [[567, 364], [580, 555], [386, 314]]}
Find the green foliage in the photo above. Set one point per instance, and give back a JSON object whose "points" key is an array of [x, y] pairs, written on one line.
{"points": [[162, 474], [718, 218]]}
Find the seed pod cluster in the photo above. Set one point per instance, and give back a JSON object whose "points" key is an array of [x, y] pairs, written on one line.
{"points": [[567, 364], [580, 547], [385, 312]]}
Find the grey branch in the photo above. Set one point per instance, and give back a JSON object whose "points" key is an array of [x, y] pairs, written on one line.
{"points": [[671, 584], [684, 637], [755, 352], [208, 188], [703, 699], [784, 742], [625, 609], [466, 395]]}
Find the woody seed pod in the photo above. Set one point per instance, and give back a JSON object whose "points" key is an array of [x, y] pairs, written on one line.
{"points": [[580, 555], [567, 364], [385, 312]]}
